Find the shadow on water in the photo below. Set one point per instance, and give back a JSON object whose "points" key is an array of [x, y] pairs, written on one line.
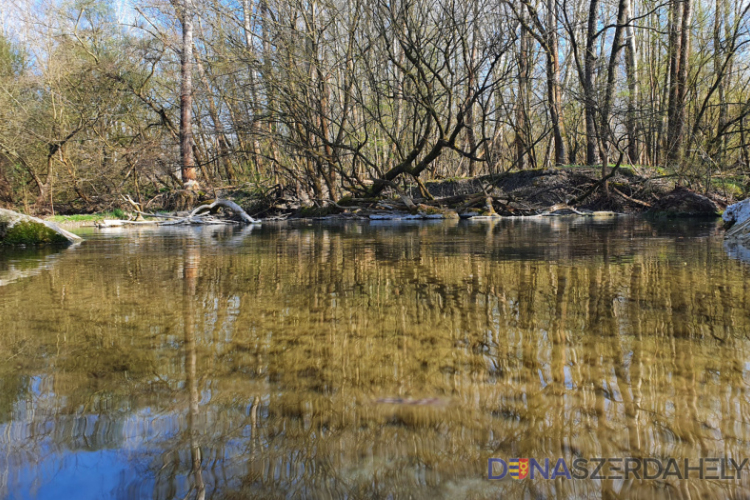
{"points": [[374, 360]]}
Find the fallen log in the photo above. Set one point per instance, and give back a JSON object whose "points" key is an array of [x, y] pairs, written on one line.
{"points": [[198, 220], [199, 216], [214, 207]]}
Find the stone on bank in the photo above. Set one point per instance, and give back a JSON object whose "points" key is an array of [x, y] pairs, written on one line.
{"points": [[20, 229]]}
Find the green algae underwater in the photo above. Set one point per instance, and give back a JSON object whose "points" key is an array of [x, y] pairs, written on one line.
{"points": [[373, 360]]}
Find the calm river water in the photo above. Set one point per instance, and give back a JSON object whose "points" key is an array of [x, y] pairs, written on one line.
{"points": [[373, 360]]}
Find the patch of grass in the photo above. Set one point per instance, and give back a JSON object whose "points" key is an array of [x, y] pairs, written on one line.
{"points": [[114, 214]]}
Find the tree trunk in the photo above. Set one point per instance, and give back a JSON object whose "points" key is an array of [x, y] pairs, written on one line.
{"points": [[588, 84], [675, 41], [255, 129], [328, 165], [631, 70], [682, 80], [471, 139], [266, 69], [604, 128], [521, 140], [553, 83], [720, 19], [186, 99]]}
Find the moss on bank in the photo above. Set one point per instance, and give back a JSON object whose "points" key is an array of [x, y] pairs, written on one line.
{"points": [[31, 233], [18, 229]]}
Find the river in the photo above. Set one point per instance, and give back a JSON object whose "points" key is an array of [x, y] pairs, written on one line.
{"points": [[380, 360]]}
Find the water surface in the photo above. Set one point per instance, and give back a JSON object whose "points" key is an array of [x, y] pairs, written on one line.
{"points": [[371, 360]]}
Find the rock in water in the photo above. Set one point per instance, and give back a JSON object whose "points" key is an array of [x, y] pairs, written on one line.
{"points": [[682, 202], [737, 213], [20, 229]]}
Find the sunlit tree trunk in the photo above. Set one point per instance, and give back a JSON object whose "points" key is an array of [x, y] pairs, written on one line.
{"points": [[553, 82], [631, 71], [189, 178], [719, 26], [679, 133]]}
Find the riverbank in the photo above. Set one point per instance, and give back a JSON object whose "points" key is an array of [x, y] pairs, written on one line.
{"points": [[558, 191]]}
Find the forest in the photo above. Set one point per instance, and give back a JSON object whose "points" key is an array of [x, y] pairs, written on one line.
{"points": [[320, 100]]}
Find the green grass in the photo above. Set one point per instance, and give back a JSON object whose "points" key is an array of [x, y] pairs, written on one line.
{"points": [[114, 214]]}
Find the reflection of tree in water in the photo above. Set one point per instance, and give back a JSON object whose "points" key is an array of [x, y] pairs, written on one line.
{"points": [[257, 367], [192, 261]]}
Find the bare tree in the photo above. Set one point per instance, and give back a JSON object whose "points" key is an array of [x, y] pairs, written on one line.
{"points": [[186, 11]]}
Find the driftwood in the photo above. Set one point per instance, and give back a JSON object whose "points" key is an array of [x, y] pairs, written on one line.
{"points": [[203, 215], [215, 206]]}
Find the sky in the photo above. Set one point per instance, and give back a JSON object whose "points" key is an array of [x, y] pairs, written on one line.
{"points": [[14, 14]]}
